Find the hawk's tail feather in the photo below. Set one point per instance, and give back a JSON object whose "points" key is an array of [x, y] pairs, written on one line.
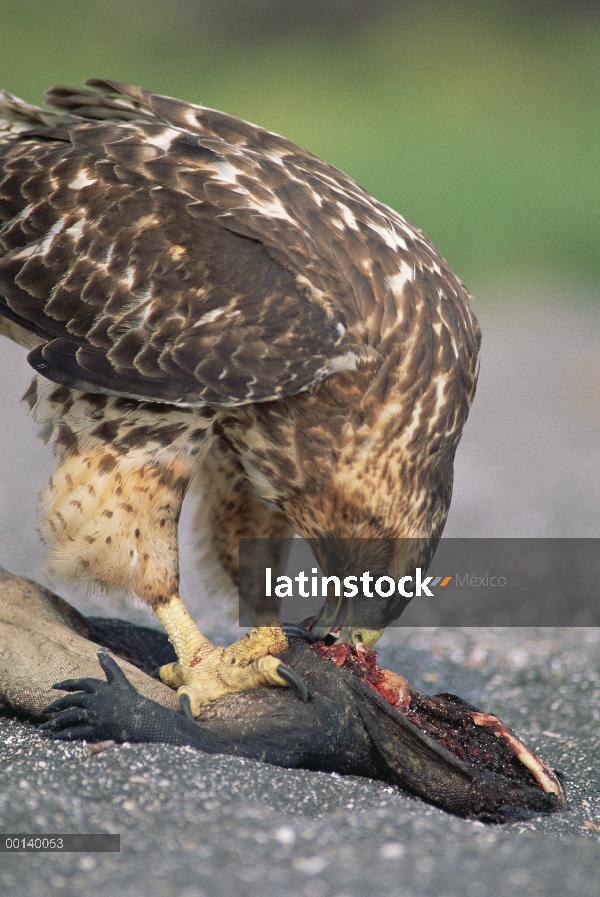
{"points": [[115, 101], [17, 111], [156, 106], [107, 100], [77, 103]]}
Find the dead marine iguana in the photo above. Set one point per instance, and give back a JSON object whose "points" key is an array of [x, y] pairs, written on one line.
{"points": [[358, 720]]}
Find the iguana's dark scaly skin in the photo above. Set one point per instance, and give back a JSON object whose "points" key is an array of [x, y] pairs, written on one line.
{"points": [[345, 727]]}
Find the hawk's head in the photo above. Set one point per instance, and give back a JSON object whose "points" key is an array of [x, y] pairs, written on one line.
{"points": [[362, 466], [371, 580]]}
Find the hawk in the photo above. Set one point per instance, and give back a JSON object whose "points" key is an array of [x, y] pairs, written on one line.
{"points": [[199, 293]]}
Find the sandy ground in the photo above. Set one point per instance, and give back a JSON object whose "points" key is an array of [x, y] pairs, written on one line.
{"points": [[191, 825]]}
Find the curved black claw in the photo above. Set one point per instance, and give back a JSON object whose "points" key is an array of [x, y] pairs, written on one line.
{"points": [[295, 681], [96, 709], [76, 715], [156, 674], [113, 672], [186, 707], [295, 630]]}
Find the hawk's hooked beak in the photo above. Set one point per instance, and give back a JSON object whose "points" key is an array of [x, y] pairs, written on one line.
{"points": [[336, 625]]}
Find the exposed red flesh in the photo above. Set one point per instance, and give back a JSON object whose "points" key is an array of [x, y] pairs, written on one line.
{"points": [[475, 737], [363, 663]]}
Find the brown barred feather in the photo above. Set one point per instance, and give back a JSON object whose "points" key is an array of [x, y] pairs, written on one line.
{"points": [[159, 254]]}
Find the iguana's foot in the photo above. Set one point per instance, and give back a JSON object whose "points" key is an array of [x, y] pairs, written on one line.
{"points": [[206, 671]]}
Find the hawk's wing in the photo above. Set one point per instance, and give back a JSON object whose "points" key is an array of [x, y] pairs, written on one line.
{"points": [[117, 251], [170, 252]]}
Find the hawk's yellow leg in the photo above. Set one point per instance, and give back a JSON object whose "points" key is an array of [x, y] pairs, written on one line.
{"points": [[206, 671]]}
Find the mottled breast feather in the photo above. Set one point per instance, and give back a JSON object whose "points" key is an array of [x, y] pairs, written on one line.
{"points": [[169, 252]]}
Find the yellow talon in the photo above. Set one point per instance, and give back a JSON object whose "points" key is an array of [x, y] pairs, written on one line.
{"points": [[206, 672], [172, 674]]}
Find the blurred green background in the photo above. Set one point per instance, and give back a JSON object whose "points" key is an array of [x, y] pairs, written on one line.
{"points": [[479, 121]]}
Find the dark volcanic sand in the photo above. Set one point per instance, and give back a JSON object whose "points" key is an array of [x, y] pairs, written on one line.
{"points": [[193, 825]]}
